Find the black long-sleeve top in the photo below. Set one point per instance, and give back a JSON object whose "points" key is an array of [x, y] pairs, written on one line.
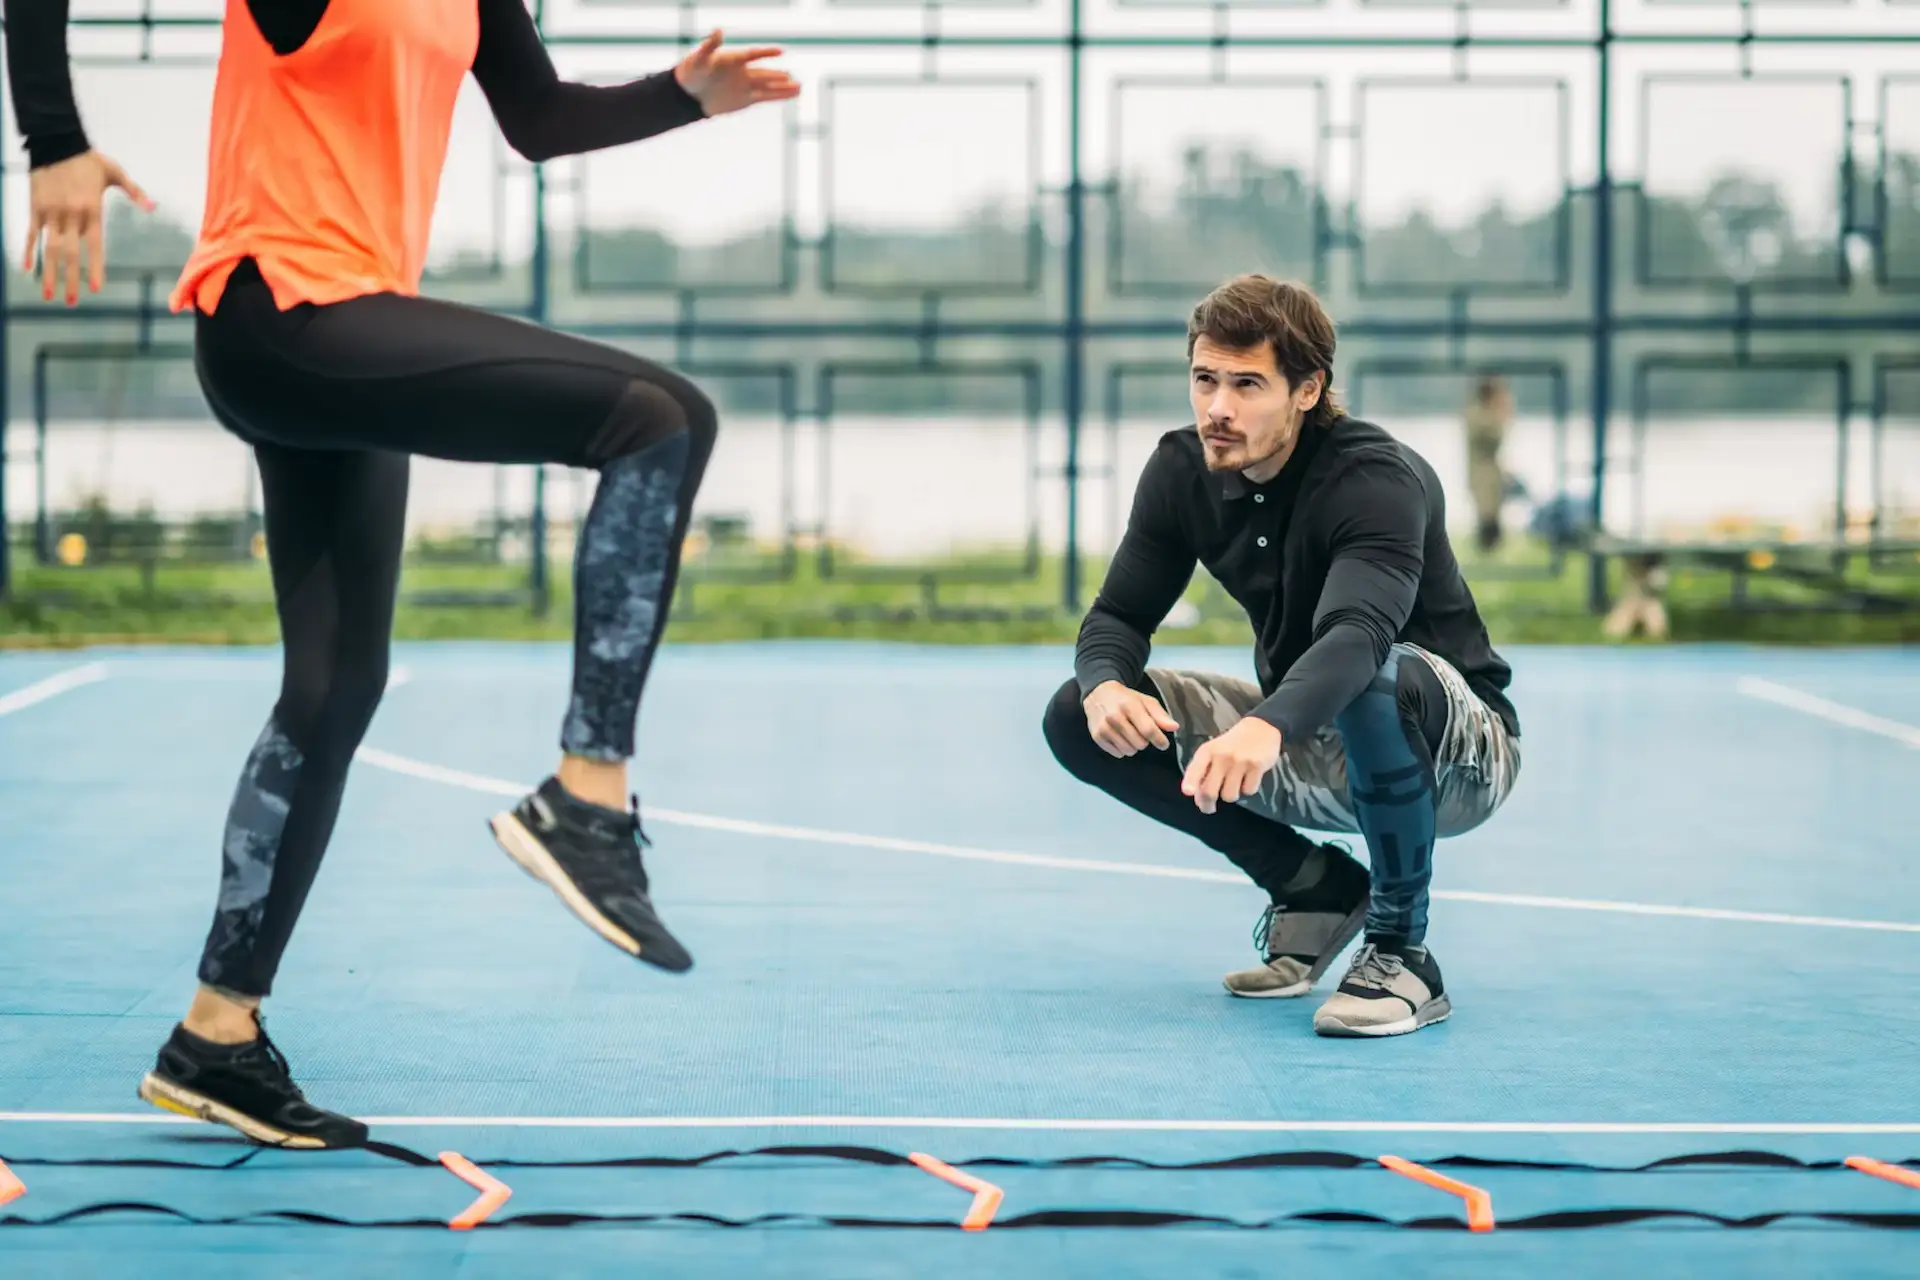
{"points": [[1335, 559], [540, 115]]}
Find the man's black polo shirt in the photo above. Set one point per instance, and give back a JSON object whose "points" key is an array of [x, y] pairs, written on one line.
{"points": [[1334, 559]]}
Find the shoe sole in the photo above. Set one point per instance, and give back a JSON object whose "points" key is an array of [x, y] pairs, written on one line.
{"points": [[1272, 993], [525, 849], [1429, 1013], [1349, 930], [180, 1100]]}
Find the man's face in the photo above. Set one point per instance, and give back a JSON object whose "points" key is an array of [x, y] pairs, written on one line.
{"points": [[1247, 416]]}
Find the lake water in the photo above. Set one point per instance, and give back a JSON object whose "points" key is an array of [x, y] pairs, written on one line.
{"points": [[908, 488]]}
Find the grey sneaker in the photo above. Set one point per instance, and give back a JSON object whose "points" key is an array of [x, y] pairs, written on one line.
{"points": [[1386, 993], [1299, 942]]}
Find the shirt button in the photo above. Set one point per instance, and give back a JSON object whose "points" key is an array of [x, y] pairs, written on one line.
{"points": [[1259, 497], [1263, 542]]}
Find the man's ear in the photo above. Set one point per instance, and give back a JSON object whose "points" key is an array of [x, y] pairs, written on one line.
{"points": [[1312, 388]]}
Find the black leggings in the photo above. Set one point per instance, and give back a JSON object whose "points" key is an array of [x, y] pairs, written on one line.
{"points": [[333, 399]]}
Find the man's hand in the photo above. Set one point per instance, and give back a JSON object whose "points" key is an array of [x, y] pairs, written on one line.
{"points": [[1231, 765], [65, 209], [1125, 721], [724, 80]]}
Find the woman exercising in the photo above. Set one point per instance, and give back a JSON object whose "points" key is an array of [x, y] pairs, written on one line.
{"points": [[330, 127]]}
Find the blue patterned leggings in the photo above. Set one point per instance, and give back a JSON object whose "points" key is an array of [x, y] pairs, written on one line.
{"points": [[333, 400]]}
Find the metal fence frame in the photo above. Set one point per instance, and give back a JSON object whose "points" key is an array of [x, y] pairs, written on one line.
{"points": [[1071, 329]]}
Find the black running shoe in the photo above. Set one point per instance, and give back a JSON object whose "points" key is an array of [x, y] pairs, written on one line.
{"points": [[246, 1087], [591, 858]]}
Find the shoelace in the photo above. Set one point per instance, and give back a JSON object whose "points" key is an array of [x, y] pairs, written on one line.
{"points": [[281, 1069], [1373, 967], [1263, 929], [639, 833]]}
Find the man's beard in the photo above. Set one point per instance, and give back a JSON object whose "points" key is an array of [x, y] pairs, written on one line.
{"points": [[1238, 455]]}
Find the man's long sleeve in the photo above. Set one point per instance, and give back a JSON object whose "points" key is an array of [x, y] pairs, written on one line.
{"points": [[1378, 519]]}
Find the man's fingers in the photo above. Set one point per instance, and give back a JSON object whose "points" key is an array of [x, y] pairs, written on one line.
{"points": [[1122, 728], [1143, 722], [1161, 717], [1216, 776], [1196, 769], [1113, 742], [759, 53], [1206, 793]]}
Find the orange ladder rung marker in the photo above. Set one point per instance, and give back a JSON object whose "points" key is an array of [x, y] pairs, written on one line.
{"points": [[1865, 1164], [11, 1188], [986, 1196], [1479, 1203], [493, 1192]]}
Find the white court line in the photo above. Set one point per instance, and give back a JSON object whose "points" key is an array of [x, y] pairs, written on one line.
{"points": [[52, 687], [1014, 1125], [1834, 712], [498, 787], [397, 677], [1655, 909]]}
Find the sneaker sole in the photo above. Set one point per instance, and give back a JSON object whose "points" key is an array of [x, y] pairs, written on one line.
{"points": [[525, 849], [1429, 1013], [1349, 930], [180, 1100], [1271, 993]]}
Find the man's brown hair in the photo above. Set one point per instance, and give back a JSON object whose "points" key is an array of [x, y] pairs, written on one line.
{"points": [[1251, 309]]}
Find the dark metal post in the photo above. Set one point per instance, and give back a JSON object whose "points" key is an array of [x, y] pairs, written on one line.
{"points": [[42, 519], [537, 579], [1074, 388], [1602, 373], [6, 404]]}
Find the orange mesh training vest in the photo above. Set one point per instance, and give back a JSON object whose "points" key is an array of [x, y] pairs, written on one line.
{"points": [[325, 164]]}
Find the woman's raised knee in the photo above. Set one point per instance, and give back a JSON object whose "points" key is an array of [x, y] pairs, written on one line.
{"points": [[649, 412]]}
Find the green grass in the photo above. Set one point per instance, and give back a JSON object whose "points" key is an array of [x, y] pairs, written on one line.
{"points": [[232, 604]]}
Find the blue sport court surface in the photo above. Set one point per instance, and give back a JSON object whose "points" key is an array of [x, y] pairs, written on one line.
{"points": [[1694, 930]]}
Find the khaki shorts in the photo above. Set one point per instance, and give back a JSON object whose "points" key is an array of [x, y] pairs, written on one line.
{"points": [[1474, 770]]}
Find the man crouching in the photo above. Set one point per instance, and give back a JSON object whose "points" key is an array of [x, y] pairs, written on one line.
{"points": [[1381, 707]]}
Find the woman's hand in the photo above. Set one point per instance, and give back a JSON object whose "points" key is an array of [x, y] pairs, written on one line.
{"points": [[724, 80], [65, 211]]}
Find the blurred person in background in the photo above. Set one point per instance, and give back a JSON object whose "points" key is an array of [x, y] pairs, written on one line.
{"points": [[1489, 415]]}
